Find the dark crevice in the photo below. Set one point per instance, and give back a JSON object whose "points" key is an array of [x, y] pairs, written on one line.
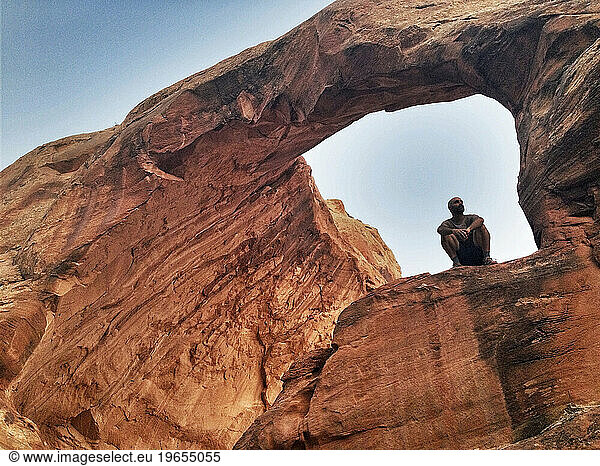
{"points": [[86, 425]]}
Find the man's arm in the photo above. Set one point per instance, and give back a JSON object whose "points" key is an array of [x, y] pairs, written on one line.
{"points": [[475, 224], [445, 230]]}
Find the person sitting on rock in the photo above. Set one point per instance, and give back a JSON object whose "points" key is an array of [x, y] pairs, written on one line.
{"points": [[464, 237]]}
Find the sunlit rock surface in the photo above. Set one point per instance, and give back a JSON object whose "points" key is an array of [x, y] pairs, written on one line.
{"points": [[16, 431], [160, 276], [163, 312], [468, 358]]}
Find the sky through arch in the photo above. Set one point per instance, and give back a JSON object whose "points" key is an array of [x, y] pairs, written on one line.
{"points": [[396, 172]]}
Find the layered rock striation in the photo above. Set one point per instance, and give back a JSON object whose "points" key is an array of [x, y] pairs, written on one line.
{"points": [[160, 276], [16, 431], [171, 323], [462, 359]]}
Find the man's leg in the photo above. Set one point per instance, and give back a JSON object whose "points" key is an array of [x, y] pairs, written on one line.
{"points": [[481, 237], [451, 244]]}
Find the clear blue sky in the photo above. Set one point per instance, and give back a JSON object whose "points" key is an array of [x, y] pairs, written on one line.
{"points": [[78, 66]]}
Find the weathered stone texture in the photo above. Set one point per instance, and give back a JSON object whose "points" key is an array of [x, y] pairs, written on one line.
{"points": [[154, 299], [160, 276], [577, 429], [16, 431], [196, 301], [469, 358]]}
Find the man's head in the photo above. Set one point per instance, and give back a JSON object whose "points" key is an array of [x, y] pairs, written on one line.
{"points": [[456, 206]]}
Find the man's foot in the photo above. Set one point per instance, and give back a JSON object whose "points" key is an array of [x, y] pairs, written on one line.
{"points": [[455, 262], [489, 261]]}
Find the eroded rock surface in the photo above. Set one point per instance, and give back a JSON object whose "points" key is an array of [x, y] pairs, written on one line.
{"points": [[174, 325], [469, 358], [577, 429], [16, 431], [158, 277]]}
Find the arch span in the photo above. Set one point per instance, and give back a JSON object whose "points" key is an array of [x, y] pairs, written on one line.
{"points": [[354, 58]]}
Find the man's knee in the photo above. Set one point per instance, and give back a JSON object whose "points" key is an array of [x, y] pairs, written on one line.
{"points": [[482, 230]]}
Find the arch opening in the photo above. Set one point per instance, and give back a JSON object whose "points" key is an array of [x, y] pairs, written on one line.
{"points": [[396, 171]]}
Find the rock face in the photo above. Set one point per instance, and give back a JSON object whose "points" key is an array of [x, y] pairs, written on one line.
{"points": [[160, 276], [577, 429], [17, 432], [455, 360], [173, 325]]}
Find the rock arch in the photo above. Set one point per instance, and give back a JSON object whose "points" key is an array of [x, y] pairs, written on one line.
{"points": [[154, 281], [355, 58]]}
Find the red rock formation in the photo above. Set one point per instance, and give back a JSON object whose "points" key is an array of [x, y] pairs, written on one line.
{"points": [[468, 358], [17, 432], [577, 429], [157, 299], [161, 275], [195, 302]]}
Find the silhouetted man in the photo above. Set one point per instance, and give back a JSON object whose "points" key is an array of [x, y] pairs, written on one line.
{"points": [[464, 237]]}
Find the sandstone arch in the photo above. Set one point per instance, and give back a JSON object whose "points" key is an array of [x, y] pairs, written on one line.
{"points": [[151, 282]]}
